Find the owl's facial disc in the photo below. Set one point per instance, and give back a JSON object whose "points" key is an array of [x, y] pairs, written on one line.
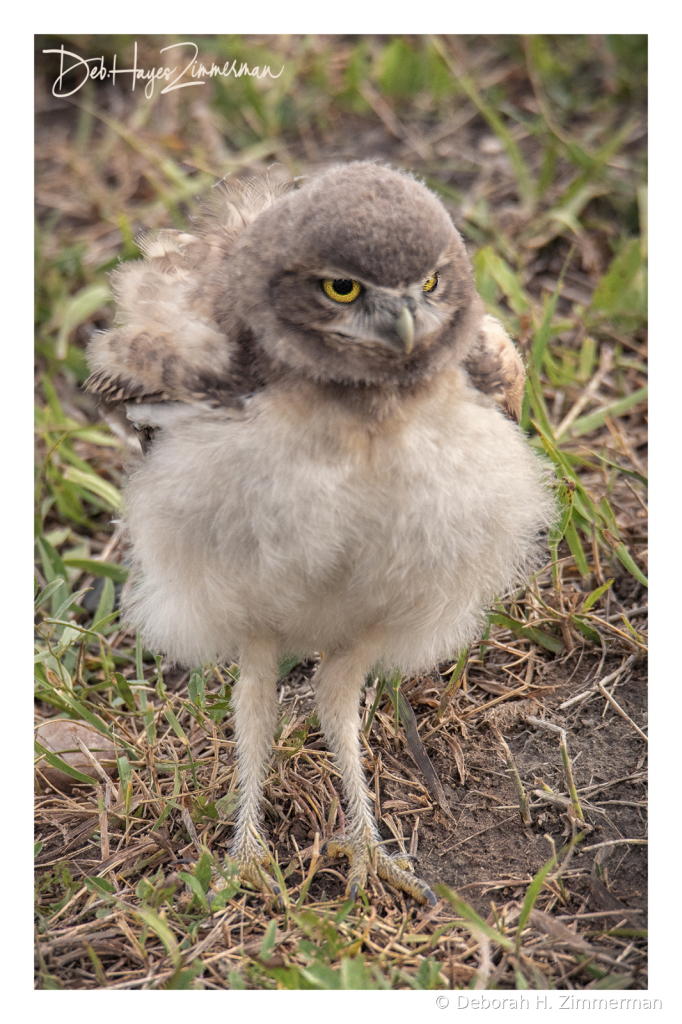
{"points": [[376, 317], [359, 277]]}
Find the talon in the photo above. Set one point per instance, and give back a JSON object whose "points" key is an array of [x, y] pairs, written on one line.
{"points": [[279, 899], [430, 895], [398, 870], [252, 869]]}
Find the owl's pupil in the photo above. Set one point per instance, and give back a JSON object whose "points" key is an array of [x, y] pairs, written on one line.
{"points": [[343, 287]]}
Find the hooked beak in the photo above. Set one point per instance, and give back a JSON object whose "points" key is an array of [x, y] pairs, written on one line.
{"points": [[404, 328]]}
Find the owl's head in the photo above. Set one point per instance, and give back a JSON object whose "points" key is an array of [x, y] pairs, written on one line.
{"points": [[358, 277]]}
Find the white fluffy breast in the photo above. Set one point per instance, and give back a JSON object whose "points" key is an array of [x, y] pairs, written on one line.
{"points": [[299, 521]]}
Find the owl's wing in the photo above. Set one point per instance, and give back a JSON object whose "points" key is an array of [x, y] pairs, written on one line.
{"points": [[495, 368], [167, 345]]}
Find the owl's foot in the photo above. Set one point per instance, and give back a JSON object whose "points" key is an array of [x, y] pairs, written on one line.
{"points": [[252, 864], [251, 869], [397, 870]]}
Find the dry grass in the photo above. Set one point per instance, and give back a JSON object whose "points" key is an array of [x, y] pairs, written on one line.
{"points": [[520, 775]]}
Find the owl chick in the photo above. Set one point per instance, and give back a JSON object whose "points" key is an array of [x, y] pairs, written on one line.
{"points": [[329, 465]]}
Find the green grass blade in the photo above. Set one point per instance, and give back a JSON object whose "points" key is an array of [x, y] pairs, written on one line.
{"points": [[626, 559], [472, 918], [592, 598], [532, 894], [57, 762], [577, 550], [95, 485], [594, 420]]}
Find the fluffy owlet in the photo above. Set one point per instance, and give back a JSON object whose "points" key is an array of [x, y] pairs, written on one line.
{"points": [[332, 462]]}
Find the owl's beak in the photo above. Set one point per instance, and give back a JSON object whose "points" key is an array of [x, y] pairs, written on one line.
{"points": [[404, 327]]}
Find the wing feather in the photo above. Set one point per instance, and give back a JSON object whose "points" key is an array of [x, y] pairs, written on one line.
{"points": [[495, 368], [167, 344]]}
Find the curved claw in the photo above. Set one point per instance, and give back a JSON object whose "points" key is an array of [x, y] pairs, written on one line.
{"points": [[430, 895], [253, 873], [252, 869], [397, 870]]}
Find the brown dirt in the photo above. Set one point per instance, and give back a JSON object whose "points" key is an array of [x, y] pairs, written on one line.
{"points": [[484, 851]]}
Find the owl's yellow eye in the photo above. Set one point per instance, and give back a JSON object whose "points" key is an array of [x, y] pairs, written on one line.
{"points": [[430, 284], [341, 290]]}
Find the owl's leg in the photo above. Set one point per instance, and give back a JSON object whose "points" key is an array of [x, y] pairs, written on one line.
{"points": [[339, 682], [255, 719]]}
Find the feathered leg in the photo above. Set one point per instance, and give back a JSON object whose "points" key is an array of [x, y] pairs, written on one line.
{"points": [[339, 682], [255, 719]]}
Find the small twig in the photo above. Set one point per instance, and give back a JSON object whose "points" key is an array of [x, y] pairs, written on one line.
{"points": [[631, 612], [514, 772], [620, 711], [606, 362], [563, 746], [311, 870], [542, 724], [593, 689], [103, 823], [491, 703], [95, 764], [396, 829], [189, 824], [562, 802], [485, 963], [414, 838], [617, 842], [598, 913]]}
